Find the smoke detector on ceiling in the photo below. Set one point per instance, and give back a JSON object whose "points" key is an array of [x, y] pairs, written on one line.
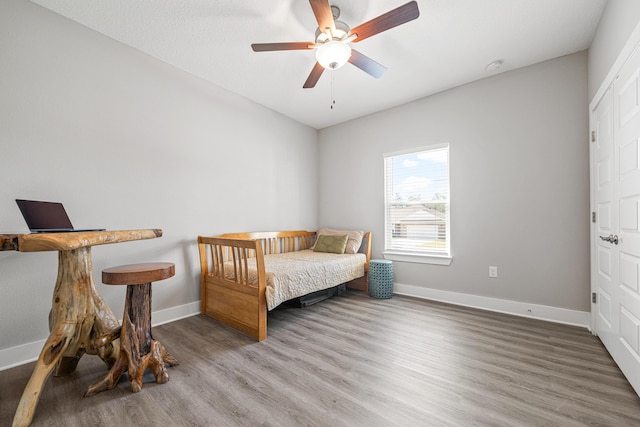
{"points": [[495, 65]]}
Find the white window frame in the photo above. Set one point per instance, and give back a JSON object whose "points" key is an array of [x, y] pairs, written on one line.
{"points": [[423, 257]]}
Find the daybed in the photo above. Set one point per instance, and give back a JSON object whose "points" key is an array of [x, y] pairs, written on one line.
{"points": [[243, 275]]}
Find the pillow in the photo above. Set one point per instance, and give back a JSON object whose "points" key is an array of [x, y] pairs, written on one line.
{"points": [[354, 242], [331, 244]]}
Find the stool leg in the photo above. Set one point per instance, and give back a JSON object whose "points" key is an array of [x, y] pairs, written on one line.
{"points": [[136, 339], [138, 349]]}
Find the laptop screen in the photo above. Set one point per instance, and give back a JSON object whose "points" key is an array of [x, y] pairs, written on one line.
{"points": [[44, 215]]}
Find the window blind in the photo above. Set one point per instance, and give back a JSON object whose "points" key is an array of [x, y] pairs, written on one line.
{"points": [[417, 201]]}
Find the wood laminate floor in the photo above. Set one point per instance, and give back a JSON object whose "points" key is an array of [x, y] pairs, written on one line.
{"points": [[355, 361]]}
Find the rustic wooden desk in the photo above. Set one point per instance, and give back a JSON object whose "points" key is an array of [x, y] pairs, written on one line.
{"points": [[79, 320]]}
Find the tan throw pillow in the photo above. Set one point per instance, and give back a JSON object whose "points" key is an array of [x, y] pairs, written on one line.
{"points": [[354, 241], [331, 244]]}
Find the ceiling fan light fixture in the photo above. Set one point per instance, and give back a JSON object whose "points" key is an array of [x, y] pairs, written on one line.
{"points": [[333, 54]]}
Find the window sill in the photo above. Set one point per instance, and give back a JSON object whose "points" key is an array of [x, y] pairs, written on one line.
{"points": [[417, 258]]}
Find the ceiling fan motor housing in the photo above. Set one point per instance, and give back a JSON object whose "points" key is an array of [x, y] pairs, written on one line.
{"points": [[341, 32]]}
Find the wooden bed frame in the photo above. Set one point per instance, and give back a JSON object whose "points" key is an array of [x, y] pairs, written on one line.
{"points": [[237, 303]]}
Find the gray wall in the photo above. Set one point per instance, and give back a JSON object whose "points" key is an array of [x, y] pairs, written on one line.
{"points": [[127, 142], [519, 182], [618, 21]]}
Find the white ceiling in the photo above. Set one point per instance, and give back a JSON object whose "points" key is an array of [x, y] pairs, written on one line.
{"points": [[450, 44]]}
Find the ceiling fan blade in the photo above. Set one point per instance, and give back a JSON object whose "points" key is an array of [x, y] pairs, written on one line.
{"points": [[314, 76], [324, 16], [366, 64], [393, 18], [268, 47]]}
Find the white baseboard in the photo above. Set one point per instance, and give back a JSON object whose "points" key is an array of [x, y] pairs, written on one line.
{"points": [[19, 355], [175, 313], [534, 311]]}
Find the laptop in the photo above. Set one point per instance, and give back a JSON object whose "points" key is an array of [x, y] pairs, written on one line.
{"points": [[47, 217]]}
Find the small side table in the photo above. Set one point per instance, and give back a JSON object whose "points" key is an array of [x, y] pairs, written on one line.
{"points": [[381, 278], [138, 349]]}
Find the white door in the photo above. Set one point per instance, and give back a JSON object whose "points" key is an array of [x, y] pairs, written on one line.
{"points": [[616, 171], [603, 170]]}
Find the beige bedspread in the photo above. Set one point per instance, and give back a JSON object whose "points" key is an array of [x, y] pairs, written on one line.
{"points": [[294, 274]]}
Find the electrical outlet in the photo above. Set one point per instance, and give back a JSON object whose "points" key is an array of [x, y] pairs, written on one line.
{"points": [[493, 271]]}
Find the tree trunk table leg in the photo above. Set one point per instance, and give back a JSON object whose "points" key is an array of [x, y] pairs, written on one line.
{"points": [[76, 300], [51, 353], [138, 349], [78, 317], [106, 325]]}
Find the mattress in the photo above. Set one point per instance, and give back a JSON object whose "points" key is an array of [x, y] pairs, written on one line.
{"points": [[294, 274]]}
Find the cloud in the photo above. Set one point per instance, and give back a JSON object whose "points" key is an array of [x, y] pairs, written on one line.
{"points": [[409, 163], [439, 156]]}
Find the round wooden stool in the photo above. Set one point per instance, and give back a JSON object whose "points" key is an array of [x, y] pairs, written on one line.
{"points": [[138, 349]]}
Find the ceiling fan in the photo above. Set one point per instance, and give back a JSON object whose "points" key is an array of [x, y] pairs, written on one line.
{"points": [[333, 39]]}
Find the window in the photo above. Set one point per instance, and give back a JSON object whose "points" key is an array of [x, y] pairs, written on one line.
{"points": [[416, 200]]}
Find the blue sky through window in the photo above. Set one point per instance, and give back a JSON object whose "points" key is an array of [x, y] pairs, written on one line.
{"points": [[420, 177]]}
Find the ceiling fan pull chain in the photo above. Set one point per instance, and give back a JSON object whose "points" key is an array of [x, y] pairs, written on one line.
{"points": [[333, 99]]}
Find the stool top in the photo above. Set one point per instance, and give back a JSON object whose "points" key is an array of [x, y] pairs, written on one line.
{"points": [[380, 261], [137, 274]]}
